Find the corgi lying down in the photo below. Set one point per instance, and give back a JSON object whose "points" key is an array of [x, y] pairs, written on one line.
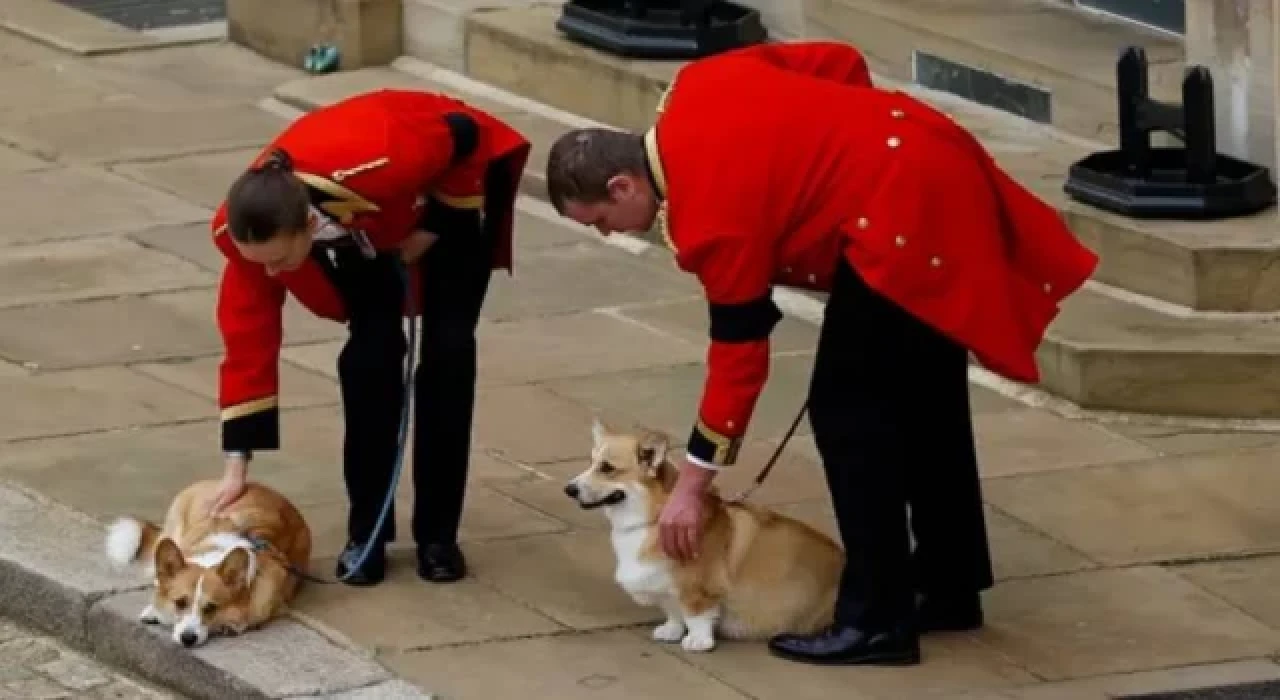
{"points": [[210, 576], [758, 573]]}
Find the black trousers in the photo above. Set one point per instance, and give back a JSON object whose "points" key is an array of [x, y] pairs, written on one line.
{"points": [[889, 407], [455, 280]]}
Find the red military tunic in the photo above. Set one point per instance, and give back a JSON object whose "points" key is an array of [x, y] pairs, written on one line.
{"points": [[775, 160], [373, 162]]}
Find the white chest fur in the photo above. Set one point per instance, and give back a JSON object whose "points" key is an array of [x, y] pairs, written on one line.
{"points": [[645, 579]]}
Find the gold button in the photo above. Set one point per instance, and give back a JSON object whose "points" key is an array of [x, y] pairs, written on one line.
{"points": [[863, 223], [1047, 287], [898, 114], [729, 424], [900, 241], [786, 270], [813, 279], [894, 142], [936, 261]]}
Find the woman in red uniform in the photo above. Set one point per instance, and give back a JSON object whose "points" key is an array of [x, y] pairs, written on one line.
{"points": [[330, 212], [782, 165]]}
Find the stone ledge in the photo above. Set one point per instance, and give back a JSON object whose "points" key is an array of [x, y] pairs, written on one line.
{"points": [[55, 578], [80, 33], [366, 32]]}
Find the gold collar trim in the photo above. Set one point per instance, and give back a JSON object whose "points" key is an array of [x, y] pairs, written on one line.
{"points": [[655, 161]]}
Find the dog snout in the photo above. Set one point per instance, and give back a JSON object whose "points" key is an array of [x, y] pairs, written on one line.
{"points": [[571, 489], [188, 639]]}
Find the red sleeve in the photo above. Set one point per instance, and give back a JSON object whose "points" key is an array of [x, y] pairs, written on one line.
{"points": [[736, 276], [828, 60], [249, 316]]}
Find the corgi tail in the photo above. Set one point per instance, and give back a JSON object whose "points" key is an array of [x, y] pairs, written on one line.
{"points": [[130, 539]]}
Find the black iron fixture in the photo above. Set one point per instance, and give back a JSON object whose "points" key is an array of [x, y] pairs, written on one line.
{"points": [[662, 29], [1192, 181]]}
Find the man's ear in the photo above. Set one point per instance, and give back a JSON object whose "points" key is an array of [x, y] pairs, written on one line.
{"points": [[169, 561], [651, 452], [621, 186], [234, 569]]}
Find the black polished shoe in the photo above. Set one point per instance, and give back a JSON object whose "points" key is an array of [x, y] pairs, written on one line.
{"points": [[847, 646], [370, 573], [949, 613], [441, 563]]}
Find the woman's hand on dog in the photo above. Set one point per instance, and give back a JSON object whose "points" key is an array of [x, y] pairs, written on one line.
{"points": [[232, 486]]}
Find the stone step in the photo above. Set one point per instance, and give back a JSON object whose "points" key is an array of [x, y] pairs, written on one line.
{"points": [[1104, 352], [1216, 266], [1048, 61]]}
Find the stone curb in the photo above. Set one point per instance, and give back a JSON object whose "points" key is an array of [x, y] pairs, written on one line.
{"points": [[55, 578], [80, 33]]}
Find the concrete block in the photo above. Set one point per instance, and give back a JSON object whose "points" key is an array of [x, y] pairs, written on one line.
{"points": [[53, 571], [435, 30], [367, 32], [68, 29], [282, 659]]}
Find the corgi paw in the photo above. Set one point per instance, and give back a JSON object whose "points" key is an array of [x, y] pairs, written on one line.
{"points": [[669, 631], [148, 616], [698, 642]]}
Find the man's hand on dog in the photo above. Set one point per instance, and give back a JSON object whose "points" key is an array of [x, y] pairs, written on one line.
{"points": [[681, 522]]}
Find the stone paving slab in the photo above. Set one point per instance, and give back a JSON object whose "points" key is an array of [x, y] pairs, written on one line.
{"points": [[1218, 493], [192, 242], [203, 178], [60, 271], [105, 204], [35, 666], [135, 132], [95, 399], [604, 665]]}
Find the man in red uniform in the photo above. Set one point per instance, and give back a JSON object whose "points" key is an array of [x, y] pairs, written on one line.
{"points": [[328, 212], [781, 164]]}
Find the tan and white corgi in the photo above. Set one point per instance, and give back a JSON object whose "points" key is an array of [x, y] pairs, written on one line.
{"points": [[758, 573], [223, 575]]}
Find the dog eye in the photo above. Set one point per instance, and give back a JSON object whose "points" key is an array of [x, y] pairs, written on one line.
{"points": [[606, 468], [180, 604], [210, 608]]}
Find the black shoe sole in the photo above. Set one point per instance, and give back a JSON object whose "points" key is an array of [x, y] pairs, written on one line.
{"points": [[901, 658]]}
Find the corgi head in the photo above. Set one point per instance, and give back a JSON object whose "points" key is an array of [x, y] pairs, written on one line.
{"points": [[629, 475], [197, 599]]}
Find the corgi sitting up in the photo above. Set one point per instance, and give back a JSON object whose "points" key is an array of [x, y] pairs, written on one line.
{"points": [[758, 573]]}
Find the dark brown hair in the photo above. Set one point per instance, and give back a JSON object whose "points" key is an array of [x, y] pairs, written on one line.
{"points": [[266, 200], [582, 161]]}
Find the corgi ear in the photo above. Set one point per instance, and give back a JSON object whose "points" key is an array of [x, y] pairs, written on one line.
{"points": [[169, 561], [598, 432], [234, 569], [652, 451]]}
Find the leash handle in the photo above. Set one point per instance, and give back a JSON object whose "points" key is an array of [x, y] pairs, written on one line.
{"points": [[768, 467]]}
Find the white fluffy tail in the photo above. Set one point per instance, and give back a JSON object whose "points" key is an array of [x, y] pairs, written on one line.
{"points": [[130, 539]]}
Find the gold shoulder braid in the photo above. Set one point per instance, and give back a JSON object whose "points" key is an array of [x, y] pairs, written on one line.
{"points": [[651, 145]]}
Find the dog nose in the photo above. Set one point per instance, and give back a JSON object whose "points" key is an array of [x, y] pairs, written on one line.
{"points": [[188, 639], [571, 490]]}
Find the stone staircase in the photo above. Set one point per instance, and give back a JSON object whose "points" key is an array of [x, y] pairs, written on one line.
{"points": [[1181, 318]]}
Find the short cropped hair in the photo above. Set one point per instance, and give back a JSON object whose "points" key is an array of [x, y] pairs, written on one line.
{"points": [[582, 162]]}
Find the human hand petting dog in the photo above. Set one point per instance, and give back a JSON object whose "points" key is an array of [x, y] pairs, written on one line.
{"points": [[681, 522], [233, 484]]}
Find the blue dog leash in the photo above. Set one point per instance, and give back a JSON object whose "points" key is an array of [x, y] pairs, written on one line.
{"points": [[260, 544]]}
